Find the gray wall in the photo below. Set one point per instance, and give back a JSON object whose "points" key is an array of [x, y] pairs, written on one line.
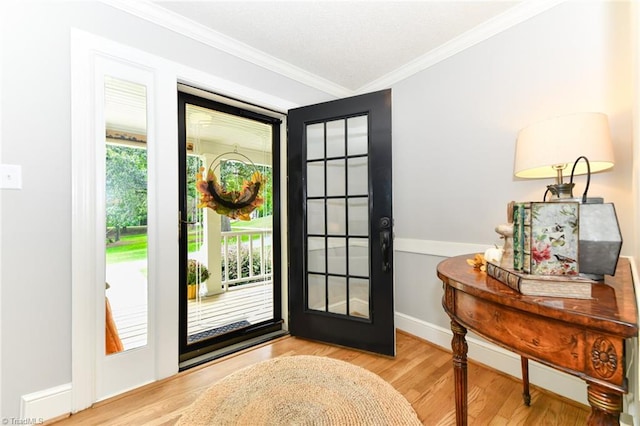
{"points": [[454, 130], [455, 126]]}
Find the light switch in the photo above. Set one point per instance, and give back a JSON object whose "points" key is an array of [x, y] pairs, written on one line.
{"points": [[10, 176]]}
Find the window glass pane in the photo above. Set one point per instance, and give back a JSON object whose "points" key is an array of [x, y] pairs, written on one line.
{"points": [[335, 177], [315, 254], [315, 179], [335, 139], [337, 295], [315, 217], [359, 297], [358, 176], [357, 135], [336, 217], [316, 292], [126, 215], [337, 259], [315, 141], [359, 216]]}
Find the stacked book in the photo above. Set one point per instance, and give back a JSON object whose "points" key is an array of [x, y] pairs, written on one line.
{"points": [[570, 286]]}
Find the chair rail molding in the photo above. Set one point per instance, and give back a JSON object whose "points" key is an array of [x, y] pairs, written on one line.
{"points": [[437, 248]]}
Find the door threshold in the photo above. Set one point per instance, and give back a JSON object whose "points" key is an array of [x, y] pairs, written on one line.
{"points": [[228, 350]]}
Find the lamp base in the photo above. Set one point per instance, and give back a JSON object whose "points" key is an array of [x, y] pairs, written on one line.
{"points": [[561, 190]]}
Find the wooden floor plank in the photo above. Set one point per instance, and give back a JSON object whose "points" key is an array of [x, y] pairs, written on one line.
{"points": [[422, 372]]}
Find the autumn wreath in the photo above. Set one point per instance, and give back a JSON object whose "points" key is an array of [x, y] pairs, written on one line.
{"points": [[234, 204]]}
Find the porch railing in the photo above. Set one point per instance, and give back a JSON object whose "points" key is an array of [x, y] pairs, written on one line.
{"points": [[246, 257]]}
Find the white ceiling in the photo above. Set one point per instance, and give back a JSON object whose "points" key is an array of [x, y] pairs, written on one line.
{"points": [[341, 47]]}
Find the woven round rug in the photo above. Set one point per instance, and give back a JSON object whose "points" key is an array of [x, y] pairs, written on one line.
{"points": [[301, 390]]}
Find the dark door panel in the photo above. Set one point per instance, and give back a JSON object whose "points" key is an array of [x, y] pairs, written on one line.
{"points": [[340, 222]]}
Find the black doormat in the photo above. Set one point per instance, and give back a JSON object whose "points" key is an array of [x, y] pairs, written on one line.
{"points": [[218, 331]]}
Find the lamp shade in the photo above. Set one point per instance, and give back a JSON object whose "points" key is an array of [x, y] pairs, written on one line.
{"points": [[556, 143]]}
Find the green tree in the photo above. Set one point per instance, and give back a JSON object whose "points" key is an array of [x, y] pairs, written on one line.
{"points": [[234, 173], [126, 187]]}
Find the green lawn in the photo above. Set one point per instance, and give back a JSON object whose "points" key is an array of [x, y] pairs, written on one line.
{"points": [[129, 248], [261, 222], [134, 246]]}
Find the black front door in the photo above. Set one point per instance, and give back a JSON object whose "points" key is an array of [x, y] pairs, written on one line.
{"points": [[341, 223]]}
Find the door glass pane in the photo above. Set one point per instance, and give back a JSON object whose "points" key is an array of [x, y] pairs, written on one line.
{"points": [[317, 296], [315, 141], [316, 254], [335, 178], [335, 139], [337, 287], [336, 256], [358, 176], [315, 217], [229, 264], [357, 135], [359, 216], [315, 179], [359, 297], [359, 257], [338, 216], [126, 215]]}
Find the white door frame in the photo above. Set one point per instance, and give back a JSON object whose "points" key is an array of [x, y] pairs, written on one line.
{"points": [[92, 370], [87, 247]]}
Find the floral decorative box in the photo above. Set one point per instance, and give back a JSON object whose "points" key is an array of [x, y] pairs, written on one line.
{"points": [[549, 237]]}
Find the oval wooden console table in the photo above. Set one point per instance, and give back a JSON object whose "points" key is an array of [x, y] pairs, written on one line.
{"points": [[582, 337]]}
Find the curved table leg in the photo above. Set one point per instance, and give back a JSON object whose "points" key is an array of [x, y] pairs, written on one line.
{"points": [[526, 396], [460, 348], [606, 405]]}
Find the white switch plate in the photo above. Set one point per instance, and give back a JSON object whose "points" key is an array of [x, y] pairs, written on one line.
{"points": [[10, 176]]}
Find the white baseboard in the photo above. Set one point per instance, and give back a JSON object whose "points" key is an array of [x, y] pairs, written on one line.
{"points": [[497, 358], [46, 404]]}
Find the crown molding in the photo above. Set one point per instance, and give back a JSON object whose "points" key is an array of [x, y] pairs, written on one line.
{"points": [[188, 28], [513, 16], [196, 31]]}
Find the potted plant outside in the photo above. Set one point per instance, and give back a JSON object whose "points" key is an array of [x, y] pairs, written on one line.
{"points": [[196, 273]]}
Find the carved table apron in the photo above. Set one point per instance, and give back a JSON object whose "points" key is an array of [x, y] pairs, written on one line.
{"points": [[582, 337]]}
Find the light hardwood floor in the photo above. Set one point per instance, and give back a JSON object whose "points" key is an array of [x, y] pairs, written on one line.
{"points": [[420, 371]]}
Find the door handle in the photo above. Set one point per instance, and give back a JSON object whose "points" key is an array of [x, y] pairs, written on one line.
{"points": [[385, 242], [183, 222]]}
